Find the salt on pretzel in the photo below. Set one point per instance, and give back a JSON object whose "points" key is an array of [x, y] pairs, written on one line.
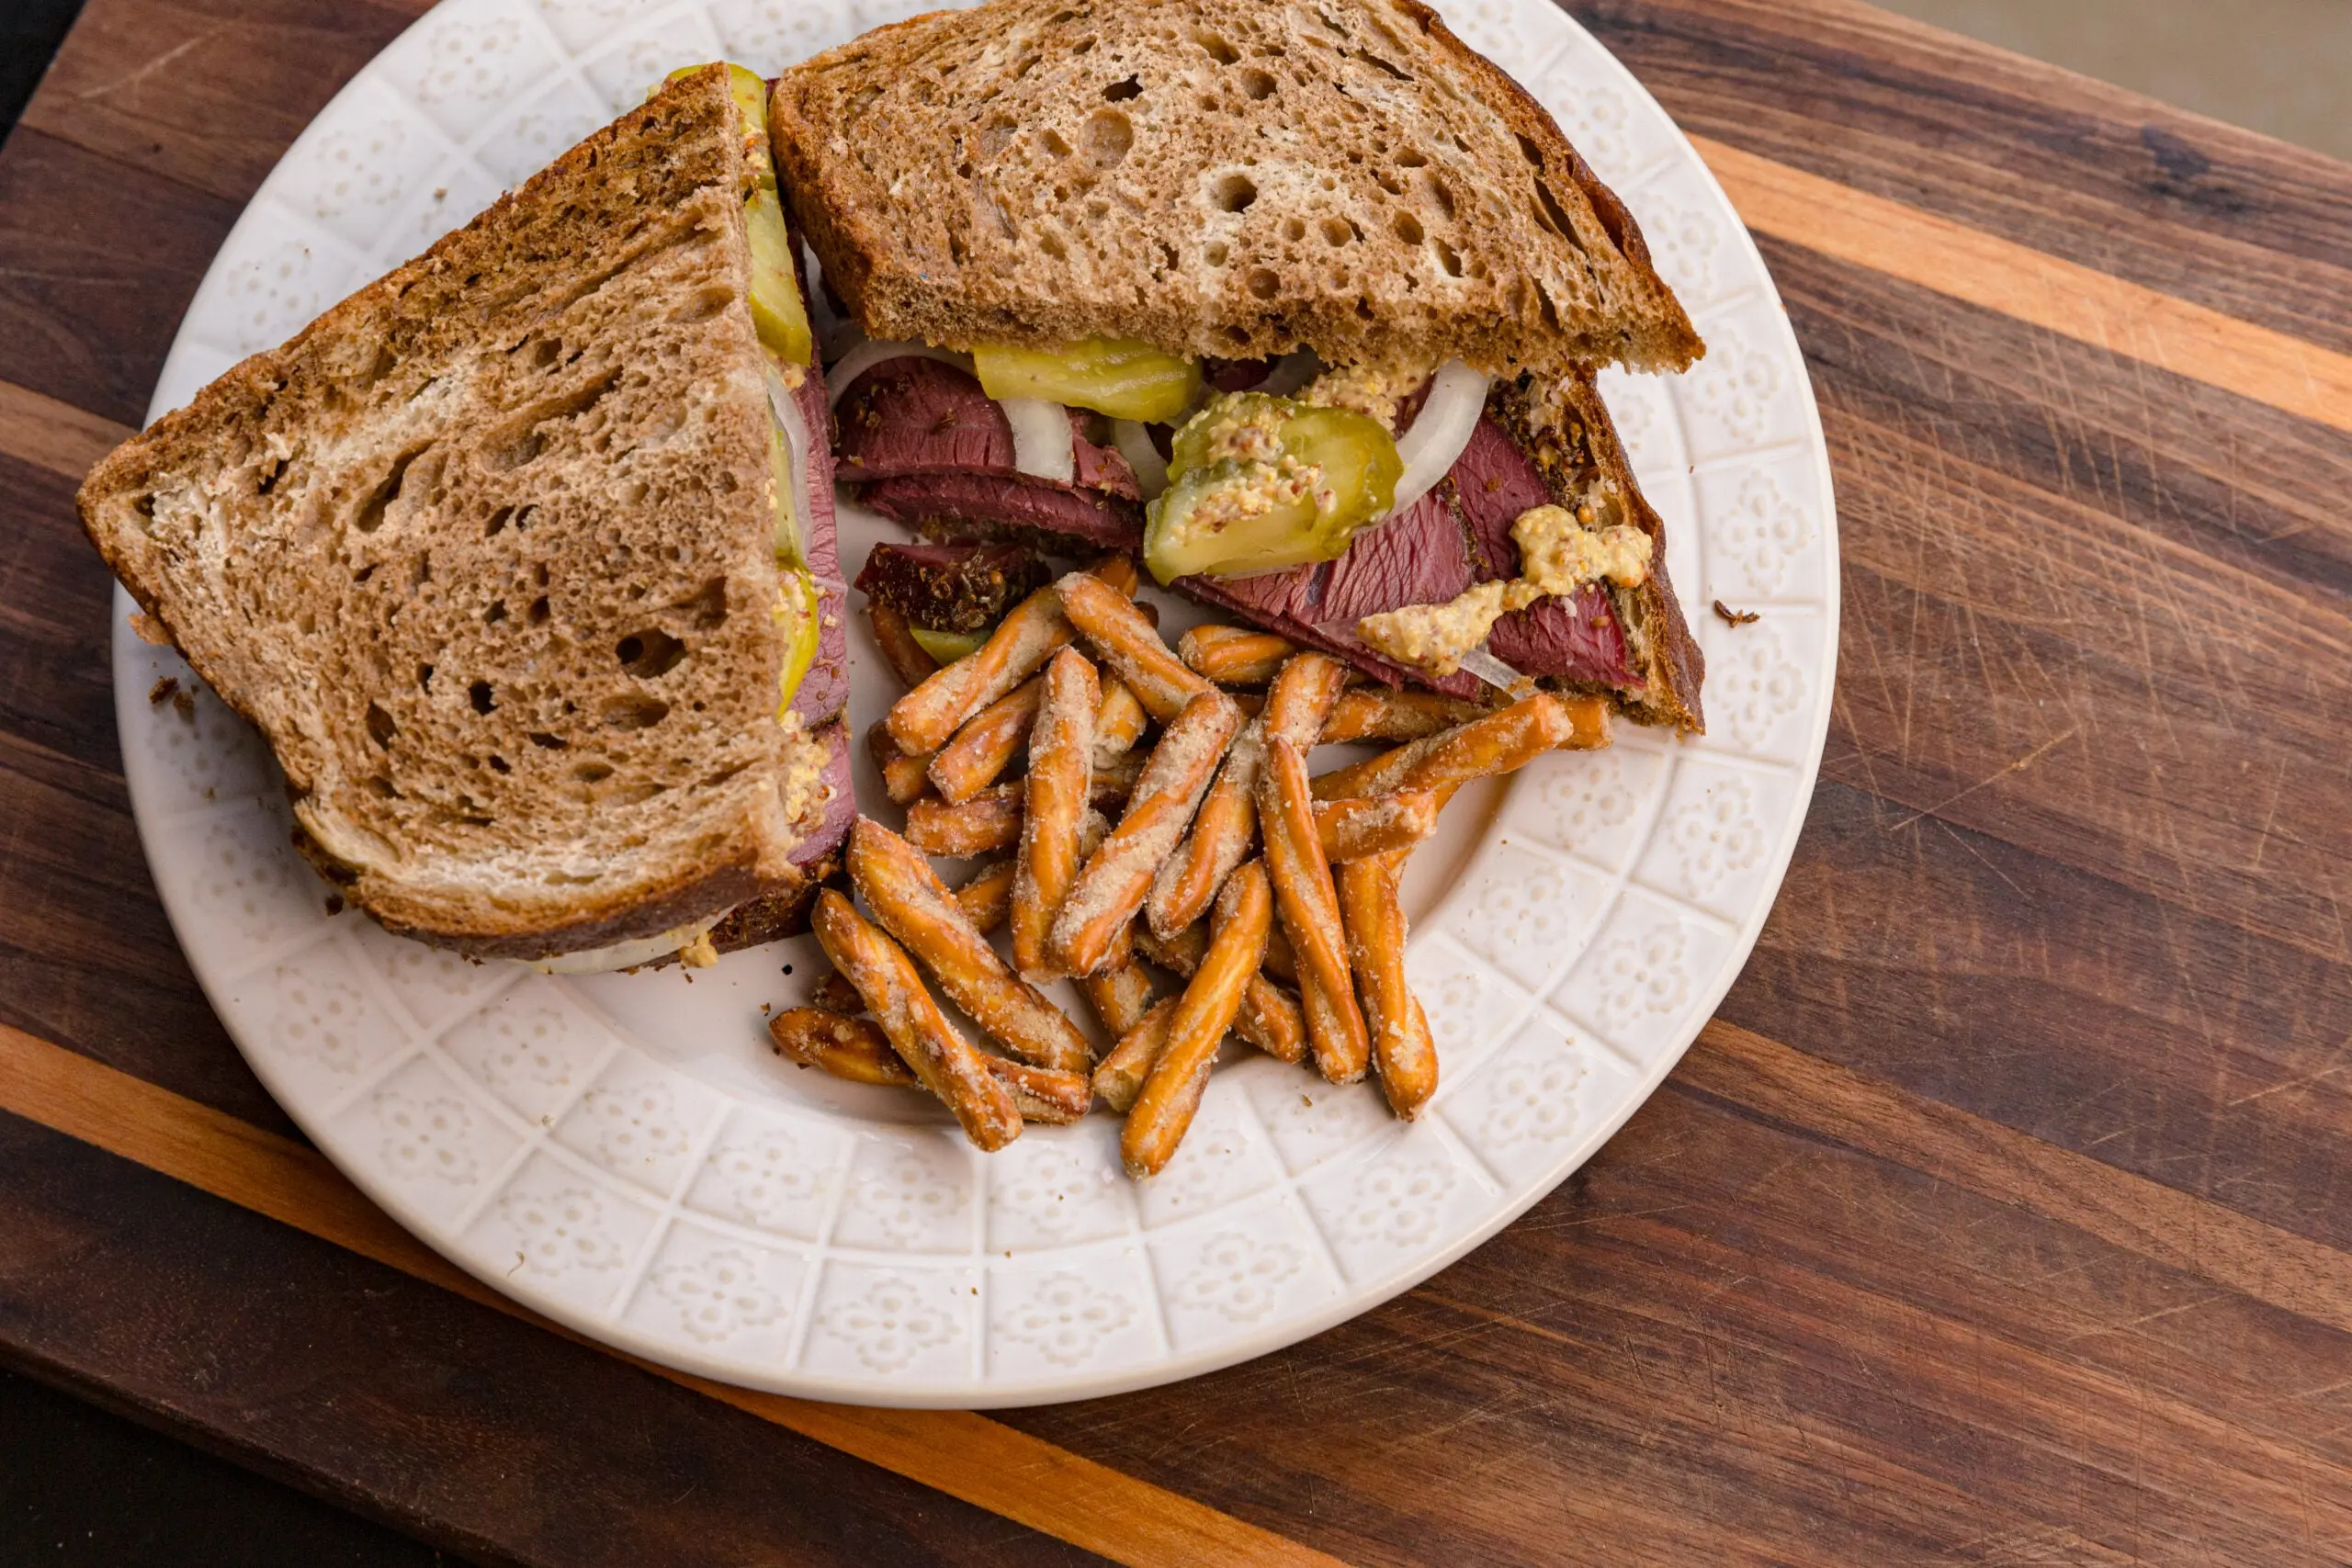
{"points": [[1361, 825], [1311, 911], [1054, 805], [1402, 1052], [1124, 639], [910, 903], [1234, 655], [1171, 1091], [1501, 743], [1117, 876], [987, 744], [917, 1029]]}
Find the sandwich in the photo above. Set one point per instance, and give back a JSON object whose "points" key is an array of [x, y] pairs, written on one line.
{"points": [[1302, 302], [522, 559]]}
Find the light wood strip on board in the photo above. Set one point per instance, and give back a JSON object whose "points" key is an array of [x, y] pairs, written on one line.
{"points": [[2032, 286], [965, 1455]]}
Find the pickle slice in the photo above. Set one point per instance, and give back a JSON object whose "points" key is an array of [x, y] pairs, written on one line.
{"points": [[949, 647], [1111, 375], [800, 601], [1260, 483], [776, 306]]}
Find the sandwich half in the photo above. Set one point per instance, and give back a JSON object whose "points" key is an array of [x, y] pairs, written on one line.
{"points": [[522, 559], [1303, 300]]}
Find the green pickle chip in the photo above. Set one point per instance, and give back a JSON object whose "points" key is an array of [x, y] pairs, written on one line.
{"points": [[1259, 483], [1111, 375]]}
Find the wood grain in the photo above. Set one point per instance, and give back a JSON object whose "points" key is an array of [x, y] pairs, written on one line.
{"points": [[965, 1455], [2106, 311]]}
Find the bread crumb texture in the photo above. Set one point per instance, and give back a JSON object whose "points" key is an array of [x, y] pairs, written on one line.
{"points": [[1216, 177], [486, 552]]}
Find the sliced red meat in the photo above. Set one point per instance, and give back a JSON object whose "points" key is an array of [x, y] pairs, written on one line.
{"points": [[917, 416], [1577, 639], [1495, 482], [983, 506]]}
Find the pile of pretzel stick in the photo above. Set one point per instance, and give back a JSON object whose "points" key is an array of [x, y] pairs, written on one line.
{"points": [[1208, 854]]}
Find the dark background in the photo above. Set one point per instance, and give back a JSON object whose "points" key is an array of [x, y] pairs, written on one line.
{"points": [[79, 1487]]}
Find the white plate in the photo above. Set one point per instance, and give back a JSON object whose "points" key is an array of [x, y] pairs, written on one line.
{"points": [[623, 1153]]}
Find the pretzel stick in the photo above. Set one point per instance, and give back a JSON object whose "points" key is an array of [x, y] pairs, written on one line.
{"points": [[924, 719], [1234, 655], [1310, 907], [904, 779], [1171, 1093], [1362, 826], [1375, 713], [1118, 875], [1296, 705], [989, 821], [1118, 722], [1270, 1017], [856, 1050], [1502, 742], [1118, 1077], [1054, 806], [850, 1048], [1045, 1094], [1114, 782], [1402, 1051], [987, 896], [907, 658], [917, 1029], [1130, 645], [987, 744], [1120, 996], [910, 903]]}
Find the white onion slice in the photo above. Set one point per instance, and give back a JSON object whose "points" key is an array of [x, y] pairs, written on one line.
{"points": [[623, 954], [875, 350], [1042, 442], [786, 408], [1449, 417], [1494, 672], [1291, 372], [1134, 445]]}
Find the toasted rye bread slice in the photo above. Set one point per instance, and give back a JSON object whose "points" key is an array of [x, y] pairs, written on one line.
{"points": [[487, 553], [1216, 177]]}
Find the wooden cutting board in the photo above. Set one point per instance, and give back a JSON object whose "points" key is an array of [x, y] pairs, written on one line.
{"points": [[2002, 1216]]}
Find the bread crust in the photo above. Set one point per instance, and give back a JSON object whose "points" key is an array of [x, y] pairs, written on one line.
{"points": [[1042, 171], [245, 525]]}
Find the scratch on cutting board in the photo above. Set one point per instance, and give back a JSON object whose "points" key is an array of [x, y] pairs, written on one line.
{"points": [[2025, 762]]}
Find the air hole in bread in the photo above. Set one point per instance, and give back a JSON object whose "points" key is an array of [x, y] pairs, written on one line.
{"points": [[1442, 194], [955, 252], [420, 572], [1108, 135], [1264, 283], [497, 524], [479, 693], [546, 742], [1054, 143], [496, 614], [1409, 228], [634, 710], [538, 614], [1214, 254], [498, 764], [382, 787], [702, 306], [380, 727], [270, 480], [1218, 48], [425, 677], [997, 135], [1120, 92], [1448, 258], [371, 516], [1052, 245], [649, 654], [365, 572], [635, 792], [1544, 305], [1082, 47], [524, 438], [1533, 153], [1411, 158], [1294, 230], [546, 350], [1337, 232], [1379, 64], [1555, 218], [1235, 193], [1237, 335], [1256, 85], [592, 773]]}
